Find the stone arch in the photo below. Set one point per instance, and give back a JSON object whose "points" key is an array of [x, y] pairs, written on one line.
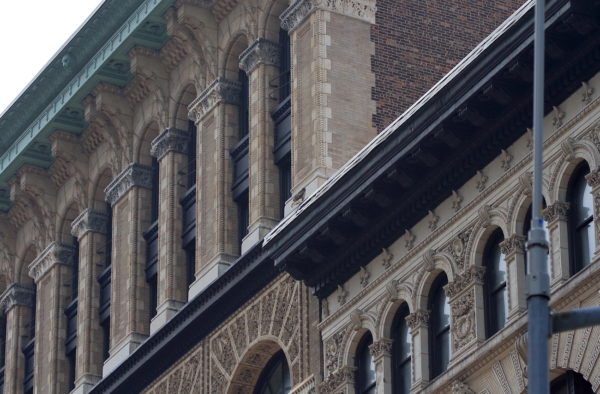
{"points": [[22, 269], [230, 67], [97, 200], [64, 223], [269, 22], [253, 362], [389, 314], [421, 296], [351, 345], [562, 176], [142, 152], [179, 109], [480, 241]]}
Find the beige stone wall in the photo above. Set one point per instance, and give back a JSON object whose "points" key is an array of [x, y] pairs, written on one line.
{"points": [[451, 239]]}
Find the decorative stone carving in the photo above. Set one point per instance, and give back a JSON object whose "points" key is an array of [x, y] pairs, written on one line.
{"points": [[387, 258], [514, 243], [557, 116], [344, 375], [16, 294], [220, 90], [261, 51], [457, 200], [433, 220], [170, 140], [586, 94], [54, 254], [381, 348], [481, 181], [333, 350], [89, 221], [391, 289], [593, 178], [558, 210], [485, 216], [409, 239], [525, 183], [567, 147], [506, 159], [135, 175], [460, 387], [458, 247], [364, 276], [342, 295], [301, 9], [463, 320], [418, 319], [428, 262], [356, 319], [473, 275]]}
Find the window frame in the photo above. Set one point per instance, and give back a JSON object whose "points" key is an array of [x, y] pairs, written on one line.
{"points": [[399, 325], [575, 226], [437, 287], [490, 293]]}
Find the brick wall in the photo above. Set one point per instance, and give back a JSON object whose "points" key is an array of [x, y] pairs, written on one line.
{"points": [[418, 41]]}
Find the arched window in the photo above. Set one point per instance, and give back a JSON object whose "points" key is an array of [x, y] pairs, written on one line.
{"points": [[581, 216], [401, 352], [439, 327], [496, 303], [571, 383], [239, 154], [365, 368], [275, 379]]}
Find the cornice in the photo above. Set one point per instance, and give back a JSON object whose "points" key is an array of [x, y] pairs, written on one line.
{"points": [[16, 294], [170, 140], [134, 175], [297, 13], [54, 254], [220, 90], [87, 221], [262, 51]]}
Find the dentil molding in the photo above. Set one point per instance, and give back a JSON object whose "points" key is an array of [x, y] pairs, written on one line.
{"points": [[220, 90], [262, 51], [301, 9], [170, 140], [16, 294], [54, 254], [87, 221], [134, 175]]}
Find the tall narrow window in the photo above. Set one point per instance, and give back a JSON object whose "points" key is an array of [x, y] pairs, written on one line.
{"points": [[439, 327], [581, 216], [571, 383], [151, 237], [28, 351], [275, 379], [365, 368], [401, 352], [243, 113], [2, 350], [239, 154], [496, 303], [71, 313], [191, 155], [188, 204]]}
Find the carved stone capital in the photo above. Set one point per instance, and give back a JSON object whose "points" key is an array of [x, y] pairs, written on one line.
{"points": [[593, 178], [134, 175], [460, 387], [556, 211], [170, 140], [87, 221], [383, 347], [262, 51], [472, 275], [344, 375], [301, 9], [54, 254], [418, 319], [16, 294], [220, 90], [513, 244]]}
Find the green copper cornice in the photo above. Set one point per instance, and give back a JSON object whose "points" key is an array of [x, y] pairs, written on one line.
{"points": [[96, 53]]}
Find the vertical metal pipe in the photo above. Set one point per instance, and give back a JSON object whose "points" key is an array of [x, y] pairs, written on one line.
{"points": [[537, 247]]}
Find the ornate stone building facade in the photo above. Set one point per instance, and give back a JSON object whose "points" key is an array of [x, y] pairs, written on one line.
{"points": [[213, 196]]}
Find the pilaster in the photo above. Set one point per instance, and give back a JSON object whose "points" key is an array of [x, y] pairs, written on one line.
{"points": [[130, 196], [261, 62], [381, 351], [513, 249], [90, 228], [170, 148], [418, 322], [215, 112], [51, 271], [593, 179], [556, 215], [331, 114], [17, 303]]}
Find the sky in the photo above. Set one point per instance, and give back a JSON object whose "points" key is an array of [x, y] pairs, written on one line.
{"points": [[31, 32]]}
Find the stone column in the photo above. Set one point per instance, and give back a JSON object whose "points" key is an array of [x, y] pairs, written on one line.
{"points": [[331, 114], [17, 303], [593, 179], [90, 228], [418, 322], [170, 149], [261, 62], [467, 320], [51, 271], [556, 215], [381, 351], [216, 118], [129, 194], [513, 249]]}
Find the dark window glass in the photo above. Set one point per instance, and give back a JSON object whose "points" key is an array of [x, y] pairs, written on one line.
{"points": [[105, 326], [75, 270], [153, 294], [284, 65], [243, 217], [285, 182], [581, 216], [401, 352], [439, 327], [191, 170], [496, 303], [243, 108], [2, 341], [365, 368], [275, 379], [571, 383], [155, 191], [190, 257], [108, 241], [71, 368]]}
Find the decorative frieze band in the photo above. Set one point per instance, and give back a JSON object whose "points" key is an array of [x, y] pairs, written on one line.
{"points": [[134, 175], [301, 9], [558, 210], [262, 51], [54, 254], [220, 90], [514, 243], [89, 221], [473, 274], [418, 319], [16, 294], [170, 140]]}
